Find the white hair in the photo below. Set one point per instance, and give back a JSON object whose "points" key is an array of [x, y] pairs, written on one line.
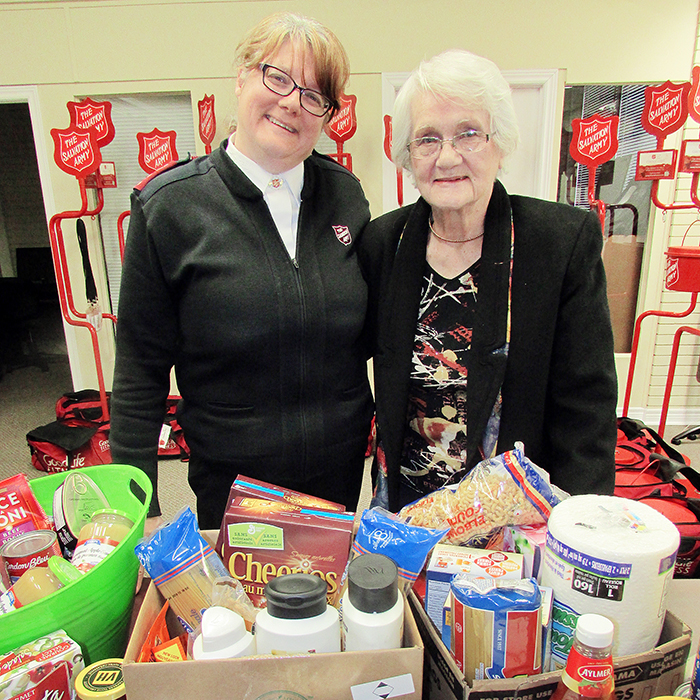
{"points": [[467, 79]]}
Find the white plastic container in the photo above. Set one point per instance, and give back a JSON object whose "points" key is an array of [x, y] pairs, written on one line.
{"points": [[372, 607], [223, 636], [297, 617]]}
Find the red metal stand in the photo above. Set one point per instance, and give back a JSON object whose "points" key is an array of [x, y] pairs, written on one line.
{"points": [[635, 344], [672, 371], [120, 233], [65, 293]]}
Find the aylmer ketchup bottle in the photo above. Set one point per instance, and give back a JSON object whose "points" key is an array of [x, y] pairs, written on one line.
{"points": [[589, 667]]}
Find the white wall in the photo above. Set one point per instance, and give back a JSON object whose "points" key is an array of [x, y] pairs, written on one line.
{"points": [[72, 49]]}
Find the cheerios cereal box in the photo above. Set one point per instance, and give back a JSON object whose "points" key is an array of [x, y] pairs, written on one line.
{"points": [[448, 560]]}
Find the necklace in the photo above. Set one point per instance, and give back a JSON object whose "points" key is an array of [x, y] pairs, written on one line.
{"points": [[450, 240]]}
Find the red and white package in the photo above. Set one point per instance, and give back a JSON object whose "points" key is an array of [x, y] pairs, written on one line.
{"points": [[53, 682], [38, 669], [19, 510]]}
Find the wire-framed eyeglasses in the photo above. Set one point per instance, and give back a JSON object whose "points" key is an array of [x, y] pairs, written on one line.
{"points": [[283, 84], [469, 141]]}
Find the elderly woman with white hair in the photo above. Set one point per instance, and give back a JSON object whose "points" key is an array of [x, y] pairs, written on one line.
{"points": [[489, 311]]}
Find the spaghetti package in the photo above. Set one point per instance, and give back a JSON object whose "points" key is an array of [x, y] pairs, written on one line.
{"points": [[382, 532], [184, 566], [505, 490], [496, 628]]}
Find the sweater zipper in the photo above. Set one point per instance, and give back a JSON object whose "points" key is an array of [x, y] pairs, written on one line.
{"points": [[302, 367]]}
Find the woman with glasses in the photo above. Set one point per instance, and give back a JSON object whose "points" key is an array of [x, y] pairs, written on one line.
{"points": [[489, 310], [241, 272]]}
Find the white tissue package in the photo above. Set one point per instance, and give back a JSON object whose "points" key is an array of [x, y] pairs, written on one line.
{"points": [[611, 556]]}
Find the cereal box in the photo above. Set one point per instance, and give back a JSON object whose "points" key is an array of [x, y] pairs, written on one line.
{"points": [[261, 539], [254, 488], [448, 560], [42, 668]]}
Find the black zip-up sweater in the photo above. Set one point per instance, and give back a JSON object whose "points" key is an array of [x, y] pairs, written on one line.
{"points": [[268, 351]]}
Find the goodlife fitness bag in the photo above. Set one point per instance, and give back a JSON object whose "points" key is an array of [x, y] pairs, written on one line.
{"points": [[649, 470], [79, 437]]}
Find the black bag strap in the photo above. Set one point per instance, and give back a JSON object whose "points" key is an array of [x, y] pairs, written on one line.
{"points": [[634, 430], [90, 287]]}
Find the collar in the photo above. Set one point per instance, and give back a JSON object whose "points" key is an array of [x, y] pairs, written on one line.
{"points": [[261, 178]]}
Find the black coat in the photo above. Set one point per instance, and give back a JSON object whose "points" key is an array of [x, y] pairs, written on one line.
{"points": [[269, 351], [558, 379]]}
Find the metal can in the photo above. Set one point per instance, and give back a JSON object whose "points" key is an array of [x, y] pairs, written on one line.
{"points": [[29, 550]]}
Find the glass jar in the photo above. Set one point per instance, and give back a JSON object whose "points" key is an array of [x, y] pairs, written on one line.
{"points": [[34, 584], [98, 538]]}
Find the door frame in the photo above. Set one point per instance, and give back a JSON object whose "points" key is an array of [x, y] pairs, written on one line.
{"points": [[29, 94]]}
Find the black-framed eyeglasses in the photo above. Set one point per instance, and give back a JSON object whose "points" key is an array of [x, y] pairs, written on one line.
{"points": [[469, 141], [282, 83]]}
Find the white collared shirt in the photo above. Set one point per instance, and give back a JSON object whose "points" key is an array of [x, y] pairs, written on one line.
{"points": [[282, 194]]}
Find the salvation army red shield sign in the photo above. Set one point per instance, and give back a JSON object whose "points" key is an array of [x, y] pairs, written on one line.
{"points": [[76, 151], [594, 140], [89, 115], [207, 120], [694, 95], [156, 149], [344, 122], [665, 108]]}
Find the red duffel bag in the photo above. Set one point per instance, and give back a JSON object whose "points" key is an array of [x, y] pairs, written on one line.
{"points": [[58, 447]]}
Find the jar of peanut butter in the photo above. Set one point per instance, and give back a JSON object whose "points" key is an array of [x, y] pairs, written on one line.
{"points": [[106, 529]]}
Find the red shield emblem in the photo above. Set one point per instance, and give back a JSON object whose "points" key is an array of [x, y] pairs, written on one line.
{"points": [[93, 116], [207, 119], [75, 151], [672, 273], [694, 95], [156, 149], [342, 233], [344, 122], [665, 108], [595, 140]]}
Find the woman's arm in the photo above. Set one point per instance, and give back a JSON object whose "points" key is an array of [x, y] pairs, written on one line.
{"points": [[146, 348], [582, 396]]}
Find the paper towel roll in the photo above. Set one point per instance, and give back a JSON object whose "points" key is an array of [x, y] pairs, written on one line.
{"points": [[611, 556]]}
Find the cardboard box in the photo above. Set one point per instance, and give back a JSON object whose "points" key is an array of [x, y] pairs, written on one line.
{"points": [[358, 675], [637, 677], [254, 488]]}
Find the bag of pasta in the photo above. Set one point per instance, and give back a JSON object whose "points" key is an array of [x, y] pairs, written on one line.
{"points": [[188, 572], [505, 490]]}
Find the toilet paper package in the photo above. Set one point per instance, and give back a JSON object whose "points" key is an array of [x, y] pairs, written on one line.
{"points": [[611, 556]]}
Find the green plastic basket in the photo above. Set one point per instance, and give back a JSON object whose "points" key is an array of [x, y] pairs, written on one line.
{"points": [[95, 610]]}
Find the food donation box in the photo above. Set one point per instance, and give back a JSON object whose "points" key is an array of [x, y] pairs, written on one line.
{"points": [[353, 674]]}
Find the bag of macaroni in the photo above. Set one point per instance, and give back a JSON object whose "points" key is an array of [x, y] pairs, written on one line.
{"points": [[261, 539]]}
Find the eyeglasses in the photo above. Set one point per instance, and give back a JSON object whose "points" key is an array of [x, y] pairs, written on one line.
{"points": [[469, 141], [282, 83]]}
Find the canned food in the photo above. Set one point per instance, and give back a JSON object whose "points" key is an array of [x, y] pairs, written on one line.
{"points": [[29, 550]]}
